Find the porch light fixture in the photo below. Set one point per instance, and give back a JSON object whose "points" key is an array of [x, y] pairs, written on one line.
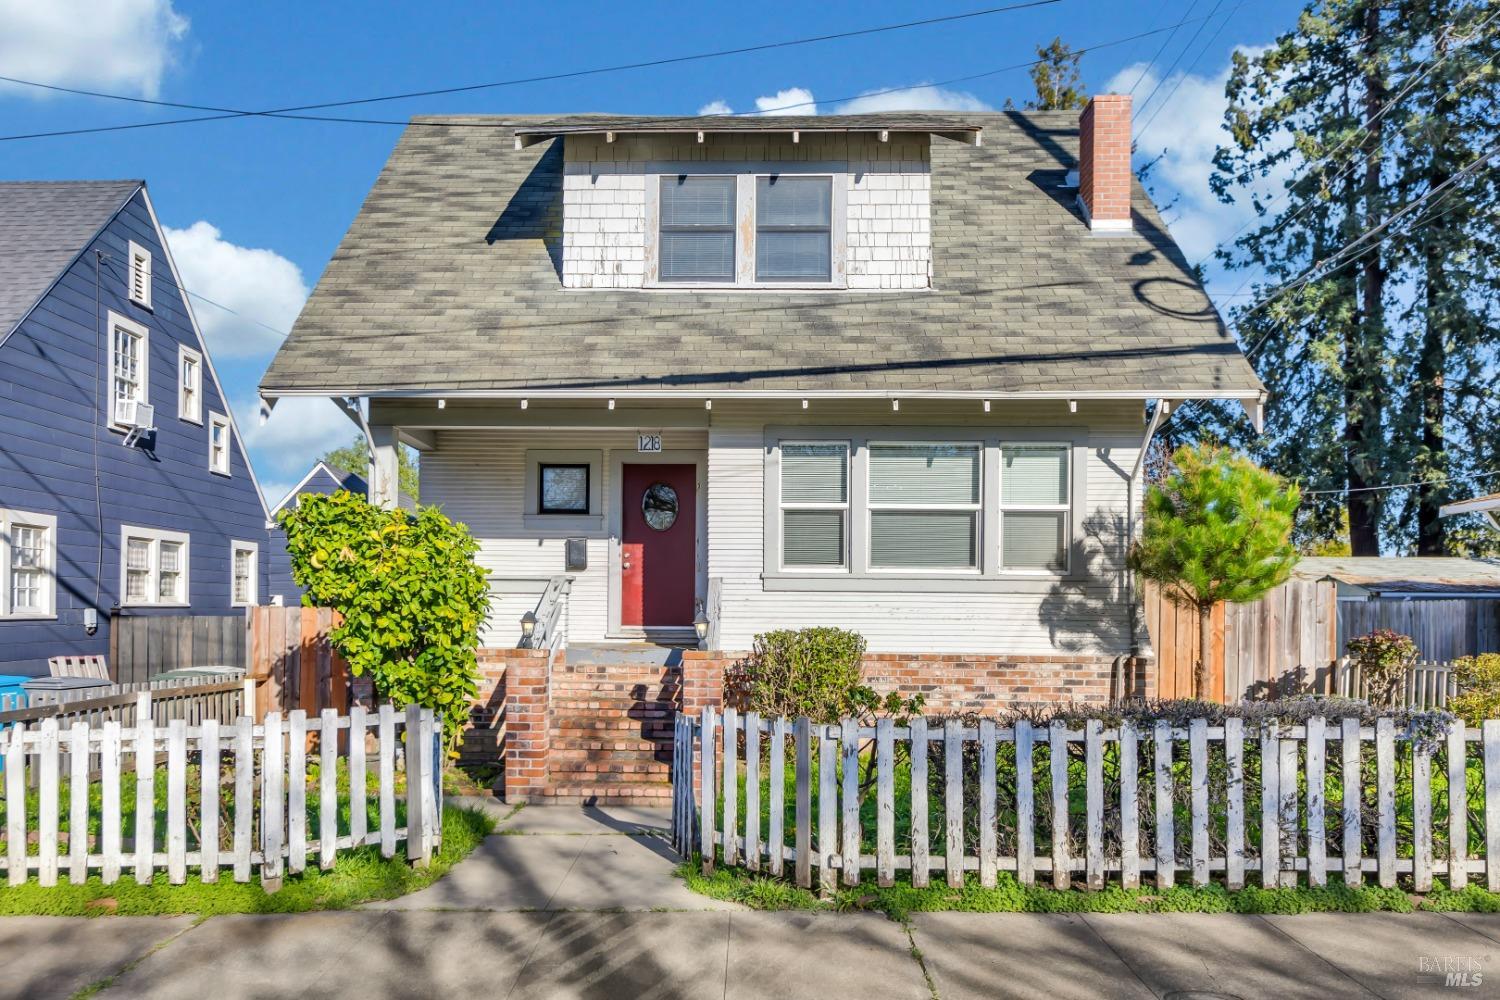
{"points": [[528, 626], [700, 626]]}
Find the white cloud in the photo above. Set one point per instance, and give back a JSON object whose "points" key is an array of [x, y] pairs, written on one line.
{"points": [[716, 108], [108, 44], [263, 288], [791, 101], [920, 98], [299, 432], [1184, 125]]}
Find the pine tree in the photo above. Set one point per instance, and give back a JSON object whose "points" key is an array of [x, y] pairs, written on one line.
{"points": [[1058, 82], [1217, 529]]}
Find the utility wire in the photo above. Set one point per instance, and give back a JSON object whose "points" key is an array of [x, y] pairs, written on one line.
{"points": [[291, 111], [1191, 66], [1402, 486], [1165, 42], [1168, 74]]}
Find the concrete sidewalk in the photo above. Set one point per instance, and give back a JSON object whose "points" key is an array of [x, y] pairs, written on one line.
{"points": [[565, 904]]}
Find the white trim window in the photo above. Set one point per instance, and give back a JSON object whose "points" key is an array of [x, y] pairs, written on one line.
{"points": [[219, 436], [129, 368], [189, 384], [28, 557], [794, 228], [924, 501], [139, 280], [153, 567], [815, 505], [244, 567], [697, 231], [1035, 490]]}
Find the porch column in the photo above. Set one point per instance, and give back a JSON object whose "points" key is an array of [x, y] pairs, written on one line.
{"points": [[385, 484]]}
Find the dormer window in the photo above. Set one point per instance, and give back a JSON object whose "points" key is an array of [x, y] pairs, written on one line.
{"points": [[697, 229], [793, 228]]}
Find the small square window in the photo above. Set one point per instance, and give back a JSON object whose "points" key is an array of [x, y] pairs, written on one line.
{"points": [[564, 489], [218, 443]]}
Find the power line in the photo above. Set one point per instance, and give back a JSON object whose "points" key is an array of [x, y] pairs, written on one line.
{"points": [[1167, 75], [291, 112], [1402, 486], [1193, 65], [1165, 42]]}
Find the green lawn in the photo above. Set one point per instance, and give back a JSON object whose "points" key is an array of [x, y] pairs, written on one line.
{"points": [[358, 876]]}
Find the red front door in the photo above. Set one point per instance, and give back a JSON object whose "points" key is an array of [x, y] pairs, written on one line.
{"points": [[657, 541]]}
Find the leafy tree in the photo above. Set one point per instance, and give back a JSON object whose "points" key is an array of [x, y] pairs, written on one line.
{"points": [[1217, 529], [1058, 82], [355, 457], [412, 596]]}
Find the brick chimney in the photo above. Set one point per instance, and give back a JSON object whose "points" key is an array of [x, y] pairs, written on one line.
{"points": [[1104, 175]]}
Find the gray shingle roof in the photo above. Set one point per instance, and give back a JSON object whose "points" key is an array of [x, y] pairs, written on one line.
{"points": [[43, 225], [448, 280], [888, 122]]}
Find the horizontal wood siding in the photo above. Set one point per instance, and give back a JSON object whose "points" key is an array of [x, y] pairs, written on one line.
{"points": [[479, 478], [53, 385], [1089, 617]]}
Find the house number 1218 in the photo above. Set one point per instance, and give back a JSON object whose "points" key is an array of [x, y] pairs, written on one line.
{"points": [[648, 442]]}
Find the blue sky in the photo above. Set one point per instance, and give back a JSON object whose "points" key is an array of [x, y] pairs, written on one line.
{"points": [[256, 206]]}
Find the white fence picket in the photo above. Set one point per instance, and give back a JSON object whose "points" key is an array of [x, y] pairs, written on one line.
{"points": [[1093, 736], [1421, 818], [776, 824], [828, 805], [849, 739], [1490, 732], [1458, 809], [1165, 827], [1058, 759], [273, 802], [47, 813], [208, 798], [78, 811], [177, 801], [244, 797], [1385, 799], [1353, 842], [1317, 844], [145, 789], [1130, 836], [1270, 819], [885, 803], [920, 859], [1025, 804], [359, 802], [1198, 772], [706, 761], [328, 790], [387, 728], [110, 834], [296, 788], [15, 796], [802, 740], [731, 792], [953, 803], [989, 849], [1290, 795], [752, 792], [1234, 806]]}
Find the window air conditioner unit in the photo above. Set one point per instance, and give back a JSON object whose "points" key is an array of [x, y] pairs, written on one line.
{"points": [[133, 413]]}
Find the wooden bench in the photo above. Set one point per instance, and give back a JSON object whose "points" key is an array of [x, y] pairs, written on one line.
{"points": [[79, 666]]}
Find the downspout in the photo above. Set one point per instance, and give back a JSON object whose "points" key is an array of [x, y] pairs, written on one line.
{"points": [[1162, 407]]}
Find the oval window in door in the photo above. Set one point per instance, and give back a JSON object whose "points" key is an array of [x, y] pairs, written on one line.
{"points": [[659, 505]]}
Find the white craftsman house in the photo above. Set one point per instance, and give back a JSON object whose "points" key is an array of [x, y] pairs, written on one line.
{"points": [[892, 372]]}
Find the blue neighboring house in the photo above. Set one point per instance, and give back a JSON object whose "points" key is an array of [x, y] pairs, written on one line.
{"points": [[124, 485], [321, 478]]}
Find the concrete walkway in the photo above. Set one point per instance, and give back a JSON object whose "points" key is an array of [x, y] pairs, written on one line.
{"points": [[567, 903]]}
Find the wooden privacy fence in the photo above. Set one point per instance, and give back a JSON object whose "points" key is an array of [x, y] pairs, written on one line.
{"points": [[142, 646], [247, 805], [1125, 801], [189, 700], [292, 661], [1285, 640], [1443, 629]]}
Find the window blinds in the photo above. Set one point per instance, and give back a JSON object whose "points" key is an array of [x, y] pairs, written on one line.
{"points": [[817, 476], [697, 229], [924, 474], [793, 220], [1034, 475]]}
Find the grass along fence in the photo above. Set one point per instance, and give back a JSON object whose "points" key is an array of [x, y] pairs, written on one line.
{"points": [[1234, 801], [212, 796]]}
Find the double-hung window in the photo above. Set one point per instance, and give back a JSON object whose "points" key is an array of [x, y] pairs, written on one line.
{"points": [[793, 228], [189, 384], [1034, 507], [153, 566], [696, 242], [28, 545], [924, 506], [128, 367], [218, 443], [815, 505], [244, 559]]}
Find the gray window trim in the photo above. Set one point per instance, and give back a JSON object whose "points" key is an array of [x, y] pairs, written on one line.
{"points": [[533, 519], [746, 173], [859, 575]]}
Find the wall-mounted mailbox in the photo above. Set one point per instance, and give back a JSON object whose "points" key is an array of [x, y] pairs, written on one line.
{"points": [[576, 555]]}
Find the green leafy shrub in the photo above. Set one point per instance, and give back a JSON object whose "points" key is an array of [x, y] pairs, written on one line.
{"points": [[816, 672], [1384, 656], [410, 592], [1478, 680]]}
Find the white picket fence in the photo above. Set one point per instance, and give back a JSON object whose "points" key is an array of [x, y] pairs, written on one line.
{"points": [[1428, 684], [1293, 802], [268, 825]]}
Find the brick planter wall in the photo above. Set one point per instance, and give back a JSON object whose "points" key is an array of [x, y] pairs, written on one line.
{"points": [[954, 683]]}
